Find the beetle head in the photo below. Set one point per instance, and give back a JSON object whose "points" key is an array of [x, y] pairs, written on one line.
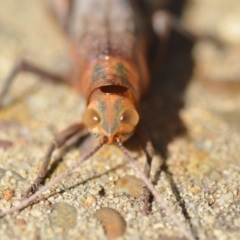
{"points": [[111, 116]]}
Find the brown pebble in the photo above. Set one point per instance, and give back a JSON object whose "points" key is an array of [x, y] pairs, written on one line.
{"points": [[8, 124], [5, 144], [130, 185], [195, 189], [113, 223], [89, 201], [63, 215], [21, 222], [8, 194], [2, 172]]}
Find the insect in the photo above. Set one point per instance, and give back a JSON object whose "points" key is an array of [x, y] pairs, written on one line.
{"points": [[110, 70]]}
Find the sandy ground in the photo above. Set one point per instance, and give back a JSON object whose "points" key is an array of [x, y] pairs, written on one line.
{"points": [[192, 113]]}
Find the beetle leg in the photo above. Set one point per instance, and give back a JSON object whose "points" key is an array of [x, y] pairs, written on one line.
{"points": [[24, 66], [66, 11], [164, 22], [58, 142], [61, 9], [149, 152]]}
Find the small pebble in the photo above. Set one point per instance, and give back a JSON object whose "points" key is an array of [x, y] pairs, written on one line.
{"points": [[229, 29], [5, 144], [225, 198], [21, 222], [8, 124], [2, 172], [237, 221], [195, 189], [17, 176], [8, 194], [130, 185], [63, 215], [89, 201], [113, 223]]}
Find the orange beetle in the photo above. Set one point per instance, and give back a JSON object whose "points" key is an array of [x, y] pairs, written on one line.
{"points": [[109, 50]]}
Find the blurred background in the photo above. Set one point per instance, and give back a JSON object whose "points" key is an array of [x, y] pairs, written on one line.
{"points": [[192, 113]]}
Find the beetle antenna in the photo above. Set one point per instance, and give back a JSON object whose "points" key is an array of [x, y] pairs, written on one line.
{"points": [[56, 180], [157, 196]]}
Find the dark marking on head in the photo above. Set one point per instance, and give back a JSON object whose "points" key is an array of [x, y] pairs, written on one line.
{"points": [[98, 72], [96, 135], [102, 106], [104, 125], [121, 70], [118, 105], [127, 134], [118, 108]]}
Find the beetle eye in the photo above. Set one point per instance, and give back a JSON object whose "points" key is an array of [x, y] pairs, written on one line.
{"points": [[130, 116], [91, 118]]}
